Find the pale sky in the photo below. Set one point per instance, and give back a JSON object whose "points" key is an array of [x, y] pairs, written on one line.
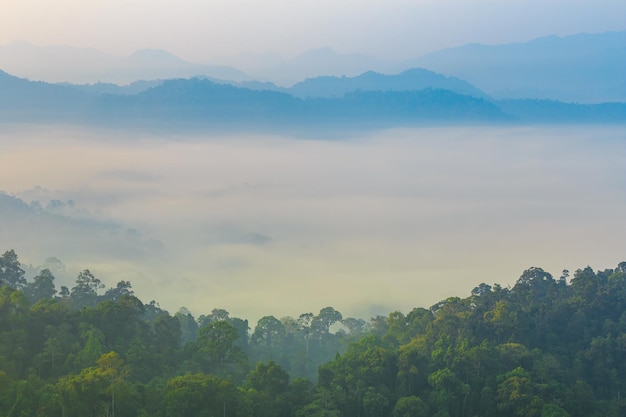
{"points": [[198, 30]]}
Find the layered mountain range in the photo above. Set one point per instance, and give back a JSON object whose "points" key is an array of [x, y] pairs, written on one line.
{"points": [[578, 79]]}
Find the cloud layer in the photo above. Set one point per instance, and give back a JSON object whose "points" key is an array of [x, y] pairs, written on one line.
{"points": [[275, 225]]}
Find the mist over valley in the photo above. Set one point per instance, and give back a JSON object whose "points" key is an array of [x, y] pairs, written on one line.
{"points": [[391, 219], [365, 186]]}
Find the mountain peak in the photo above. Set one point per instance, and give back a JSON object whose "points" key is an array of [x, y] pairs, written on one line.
{"points": [[154, 55]]}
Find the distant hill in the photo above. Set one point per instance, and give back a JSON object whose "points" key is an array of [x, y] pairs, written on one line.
{"points": [[325, 61], [201, 103], [110, 88], [24, 100], [310, 64], [206, 102], [551, 111], [410, 80], [78, 65], [585, 68]]}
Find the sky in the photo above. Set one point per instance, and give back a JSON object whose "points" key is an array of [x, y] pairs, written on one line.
{"points": [[202, 30], [266, 225]]}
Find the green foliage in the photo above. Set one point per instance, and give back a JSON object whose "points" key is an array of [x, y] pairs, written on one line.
{"points": [[412, 406], [42, 287], [11, 272], [98, 390], [85, 293], [202, 395], [544, 348], [217, 352]]}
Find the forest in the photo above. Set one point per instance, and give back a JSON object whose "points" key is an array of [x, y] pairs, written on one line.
{"points": [[545, 347]]}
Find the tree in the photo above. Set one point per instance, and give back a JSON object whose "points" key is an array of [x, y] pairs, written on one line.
{"points": [[203, 395], [517, 395], [270, 334], [123, 288], [188, 326], [113, 370], [320, 325], [356, 327], [412, 406], [217, 314], [322, 405], [449, 393], [553, 410], [375, 401], [11, 272], [93, 348], [167, 336], [413, 360], [7, 385], [98, 390], [216, 345], [34, 398], [325, 319], [14, 336], [304, 326], [269, 378], [585, 285], [42, 287], [85, 293]]}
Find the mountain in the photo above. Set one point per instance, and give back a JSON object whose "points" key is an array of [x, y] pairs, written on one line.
{"points": [[110, 88], [24, 100], [201, 103], [204, 102], [76, 65], [410, 80], [414, 79], [312, 63], [585, 68], [551, 111], [325, 61]]}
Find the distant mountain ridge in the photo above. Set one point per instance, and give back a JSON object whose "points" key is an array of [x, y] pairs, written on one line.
{"points": [[585, 68], [582, 68], [81, 65], [183, 103], [24, 100], [413, 79], [202, 102], [324, 62]]}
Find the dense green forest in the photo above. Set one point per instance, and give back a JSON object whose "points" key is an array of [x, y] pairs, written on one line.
{"points": [[545, 347]]}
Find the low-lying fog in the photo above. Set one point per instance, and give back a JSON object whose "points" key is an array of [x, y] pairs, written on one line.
{"points": [[262, 225]]}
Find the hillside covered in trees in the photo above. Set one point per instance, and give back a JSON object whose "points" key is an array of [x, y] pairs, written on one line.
{"points": [[545, 347]]}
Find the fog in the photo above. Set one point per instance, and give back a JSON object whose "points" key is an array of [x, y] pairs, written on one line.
{"points": [[368, 224]]}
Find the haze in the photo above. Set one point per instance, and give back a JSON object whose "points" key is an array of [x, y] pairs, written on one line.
{"points": [[263, 225], [201, 31]]}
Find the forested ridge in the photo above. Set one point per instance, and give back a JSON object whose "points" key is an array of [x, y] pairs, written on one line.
{"points": [[545, 347], [369, 101]]}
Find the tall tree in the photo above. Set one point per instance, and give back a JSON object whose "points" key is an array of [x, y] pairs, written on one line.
{"points": [[85, 293], [123, 288], [218, 351], [11, 272], [42, 287], [269, 335]]}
